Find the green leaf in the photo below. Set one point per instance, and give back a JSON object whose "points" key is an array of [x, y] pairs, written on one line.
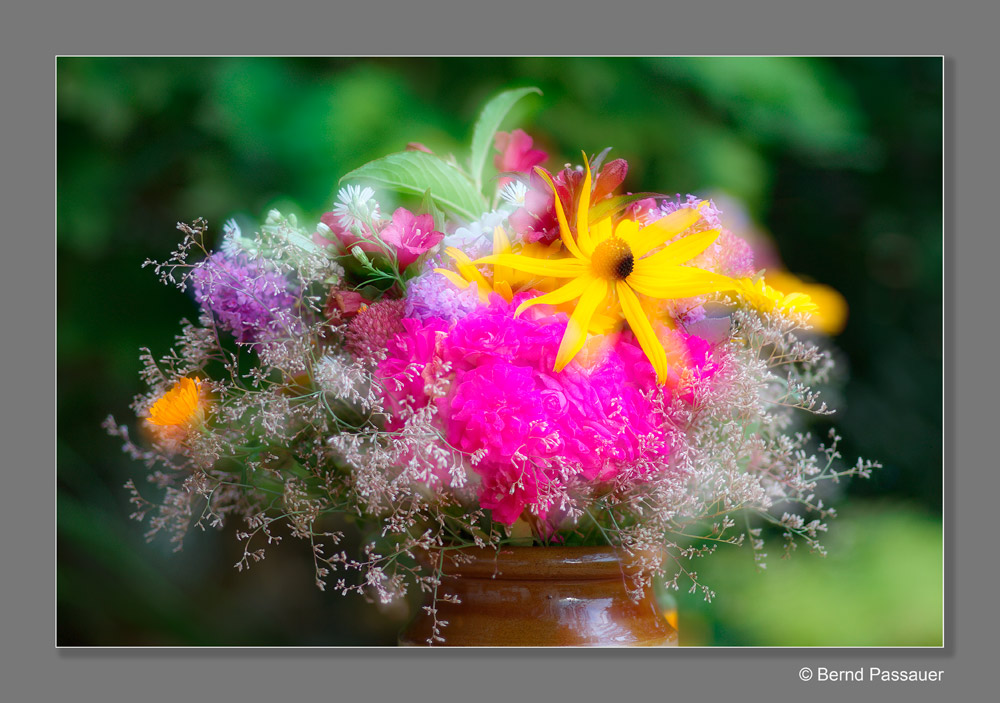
{"points": [[416, 172], [427, 205], [489, 122]]}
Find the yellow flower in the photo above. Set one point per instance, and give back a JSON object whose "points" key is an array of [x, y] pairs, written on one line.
{"points": [[830, 315], [767, 299], [180, 406], [609, 265], [505, 281]]}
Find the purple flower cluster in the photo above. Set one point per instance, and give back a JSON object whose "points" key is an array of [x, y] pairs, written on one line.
{"points": [[433, 295], [244, 297]]}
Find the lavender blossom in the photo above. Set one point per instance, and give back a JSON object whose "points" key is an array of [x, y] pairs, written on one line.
{"points": [[432, 295], [243, 297]]}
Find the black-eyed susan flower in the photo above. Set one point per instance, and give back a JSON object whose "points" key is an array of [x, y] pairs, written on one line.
{"points": [[181, 406], [611, 265]]}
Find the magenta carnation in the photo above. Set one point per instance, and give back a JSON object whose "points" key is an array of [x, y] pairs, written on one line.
{"points": [[533, 431], [510, 409], [412, 362]]}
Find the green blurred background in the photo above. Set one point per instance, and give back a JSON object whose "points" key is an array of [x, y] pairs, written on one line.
{"points": [[839, 159]]}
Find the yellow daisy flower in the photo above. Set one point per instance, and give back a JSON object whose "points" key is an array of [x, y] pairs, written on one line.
{"points": [[830, 315], [767, 299], [180, 406], [614, 263]]}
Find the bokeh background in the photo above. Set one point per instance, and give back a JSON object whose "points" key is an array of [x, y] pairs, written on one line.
{"points": [[838, 160]]}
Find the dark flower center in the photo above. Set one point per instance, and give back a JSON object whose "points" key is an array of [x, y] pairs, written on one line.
{"points": [[612, 259]]}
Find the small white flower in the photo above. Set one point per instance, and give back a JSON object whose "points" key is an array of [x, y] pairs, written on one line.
{"points": [[514, 193], [231, 235], [357, 205]]}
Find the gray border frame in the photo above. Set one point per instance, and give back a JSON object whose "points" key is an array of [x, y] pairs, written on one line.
{"points": [[34, 669]]}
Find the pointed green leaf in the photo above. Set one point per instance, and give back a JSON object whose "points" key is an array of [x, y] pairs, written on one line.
{"points": [[489, 122], [427, 205], [598, 161], [416, 172]]}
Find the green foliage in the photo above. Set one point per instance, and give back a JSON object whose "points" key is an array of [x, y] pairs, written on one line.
{"points": [[487, 125], [880, 585], [416, 173]]}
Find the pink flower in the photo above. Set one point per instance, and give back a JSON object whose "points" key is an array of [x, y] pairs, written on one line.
{"points": [[516, 154], [510, 489], [607, 180], [644, 210], [534, 429], [413, 359], [535, 433], [344, 239], [410, 236]]}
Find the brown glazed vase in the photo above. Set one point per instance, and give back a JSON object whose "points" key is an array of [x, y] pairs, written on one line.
{"points": [[542, 597]]}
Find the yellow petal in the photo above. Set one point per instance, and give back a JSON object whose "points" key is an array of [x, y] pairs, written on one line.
{"points": [[656, 233], [558, 268], [678, 282], [537, 250], [682, 250], [178, 406], [453, 277], [501, 245], [583, 212], [564, 233], [603, 323], [483, 291], [503, 289], [643, 331], [468, 270], [628, 231], [601, 231], [830, 315], [799, 302], [572, 290], [579, 321], [608, 317]]}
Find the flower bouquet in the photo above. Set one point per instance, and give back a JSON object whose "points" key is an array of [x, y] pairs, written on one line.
{"points": [[551, 366]]}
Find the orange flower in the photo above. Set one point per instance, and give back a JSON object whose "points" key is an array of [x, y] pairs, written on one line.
{"points": [[180, 406]]}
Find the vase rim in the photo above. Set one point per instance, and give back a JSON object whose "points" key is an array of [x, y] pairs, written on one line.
{"points": [[518, 563]]}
